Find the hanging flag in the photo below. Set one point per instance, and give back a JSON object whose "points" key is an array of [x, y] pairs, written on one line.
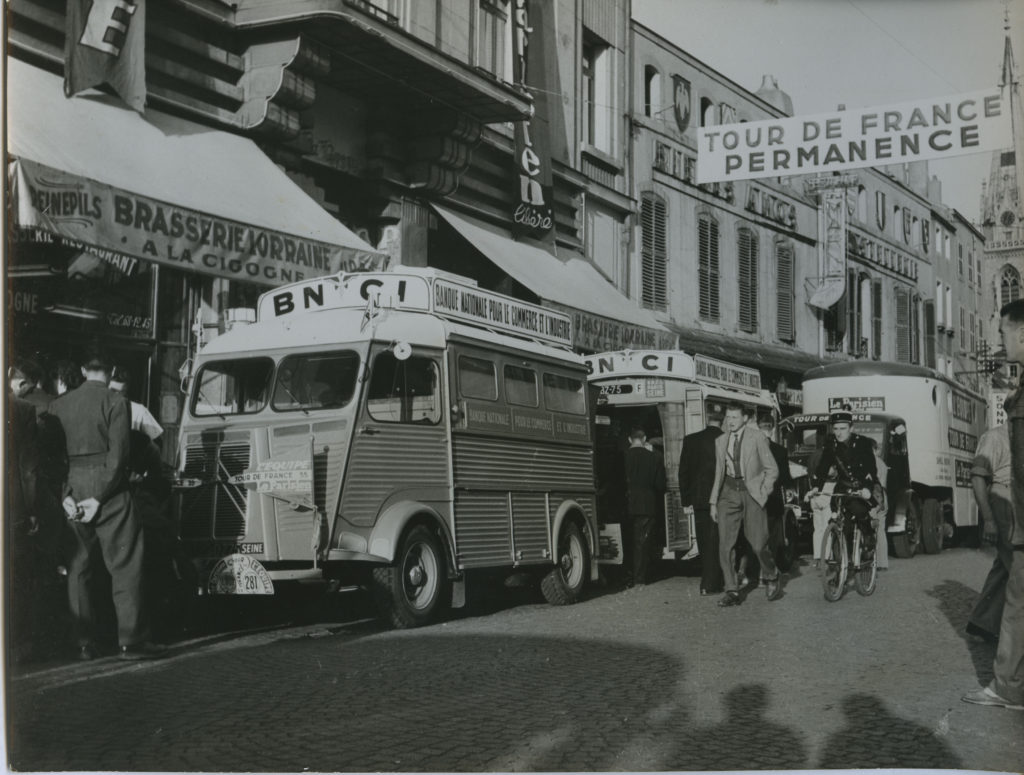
{"points": [[105, 43]]}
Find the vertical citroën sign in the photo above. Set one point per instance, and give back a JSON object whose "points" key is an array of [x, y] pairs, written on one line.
{"points": [[533, 214]]}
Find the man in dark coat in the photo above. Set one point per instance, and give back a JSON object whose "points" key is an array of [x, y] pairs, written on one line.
{"points": [[696, 478], [645, 486], [853, 458], [21, 523], [96, 423]]}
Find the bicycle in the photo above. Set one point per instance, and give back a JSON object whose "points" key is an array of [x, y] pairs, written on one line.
{"points": [[840, 555]]}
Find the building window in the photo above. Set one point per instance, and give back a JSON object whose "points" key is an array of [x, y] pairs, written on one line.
{"points": [[876, 319], [960, 261], [854, 308], [707, 237], [654, 252], [652, 92], [963, 327], [903, 328], [707, 112], [784, 302], [915, 329], [747, 260], [494, 38], [834, 322], [1009, 285], [862, 204], [940, 315], [598, 98], [973, 328], [970, 269], [929, 334]]}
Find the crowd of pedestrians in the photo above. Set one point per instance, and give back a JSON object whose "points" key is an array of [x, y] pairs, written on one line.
{"points": [[85, 485]]}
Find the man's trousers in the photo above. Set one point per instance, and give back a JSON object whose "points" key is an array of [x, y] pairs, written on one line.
{"points": [[737, 508]]}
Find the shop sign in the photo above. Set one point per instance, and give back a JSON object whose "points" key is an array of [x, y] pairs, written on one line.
{"points": [[682, 166], [772, 207], [832, 284], [113, 224], [710, 370], [975, 122], [534, 211]]}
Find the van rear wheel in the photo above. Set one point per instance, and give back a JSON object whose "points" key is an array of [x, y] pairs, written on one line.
{"points": [[905, 544], [932, 527], [564, 583], [412, 591]]}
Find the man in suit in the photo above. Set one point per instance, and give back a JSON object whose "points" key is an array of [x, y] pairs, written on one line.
{"points": [[745, 474], [645, 485], [96, 423], [696, 477]]}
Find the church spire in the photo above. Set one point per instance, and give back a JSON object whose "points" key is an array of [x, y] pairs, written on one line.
{"points": [[1009, 74]]}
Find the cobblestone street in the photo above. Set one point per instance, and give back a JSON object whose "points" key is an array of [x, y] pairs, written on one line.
{"points": [[655, 678]]}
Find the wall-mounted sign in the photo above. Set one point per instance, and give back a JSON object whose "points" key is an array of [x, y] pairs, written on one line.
{"points": [[977, 122], [683, 166], [534, 210], [770, 206], [681, 99], [727, 374]]}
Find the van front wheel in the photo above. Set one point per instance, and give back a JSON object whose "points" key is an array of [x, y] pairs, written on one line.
{"points": [[564, 583], [412, 591]]}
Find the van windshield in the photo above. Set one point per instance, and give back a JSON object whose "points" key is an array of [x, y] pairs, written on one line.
{"points": [[323, 380], [239, 386]]}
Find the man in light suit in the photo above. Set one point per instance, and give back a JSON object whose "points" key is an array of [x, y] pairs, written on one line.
{"points": [[745, 475]]}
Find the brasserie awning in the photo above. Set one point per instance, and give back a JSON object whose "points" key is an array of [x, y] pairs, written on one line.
{"points": [[94, 174], [603, 318]]}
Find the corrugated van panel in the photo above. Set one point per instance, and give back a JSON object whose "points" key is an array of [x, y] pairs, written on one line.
{"points": [[482, 462], [530, 521], [482, 529]]}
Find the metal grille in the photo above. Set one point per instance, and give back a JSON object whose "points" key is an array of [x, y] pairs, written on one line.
{"points": [[215, 509]]}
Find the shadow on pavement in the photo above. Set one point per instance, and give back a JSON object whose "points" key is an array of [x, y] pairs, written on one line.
{"points": [[955, 602], [875, 738]]}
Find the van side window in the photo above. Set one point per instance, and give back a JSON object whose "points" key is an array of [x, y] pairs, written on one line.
{"points": [[404, 391], [520, 385], [564, 394], [477, 378]]}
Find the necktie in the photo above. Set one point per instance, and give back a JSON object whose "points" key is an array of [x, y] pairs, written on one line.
{"points": [[734, 447]]}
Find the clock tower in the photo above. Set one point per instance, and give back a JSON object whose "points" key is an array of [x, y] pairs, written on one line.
{"points": [[1002, 211]]}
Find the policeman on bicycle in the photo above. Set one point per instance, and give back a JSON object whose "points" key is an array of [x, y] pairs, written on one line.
{"points": [[853, 460]]}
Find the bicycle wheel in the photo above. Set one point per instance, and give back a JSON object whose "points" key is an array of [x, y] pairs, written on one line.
{"points": [[833, 562], [865, 568]]}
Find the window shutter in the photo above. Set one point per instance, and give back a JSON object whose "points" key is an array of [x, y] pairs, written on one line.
{"points": [[784, 303], [747, 281], [708, 268], [902, 325], [853, 327], [929, 333], [915, 330], [876, 319], [654, 252]]}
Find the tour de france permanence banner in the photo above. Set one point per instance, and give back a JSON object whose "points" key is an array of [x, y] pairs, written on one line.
{"points": [[975, 122], [112, 223]]}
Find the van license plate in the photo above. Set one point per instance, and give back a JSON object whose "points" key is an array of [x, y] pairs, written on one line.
{"points": [[240, 574]]}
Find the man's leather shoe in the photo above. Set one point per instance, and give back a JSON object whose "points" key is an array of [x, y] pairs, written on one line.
{"points": [[730, 599], [86, 652], [773, 587], [145, 650]]}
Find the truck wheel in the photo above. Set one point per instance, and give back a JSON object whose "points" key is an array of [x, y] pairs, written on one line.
{"points": [[564, 583], [412, 591], [905, 544], [932, 527]]}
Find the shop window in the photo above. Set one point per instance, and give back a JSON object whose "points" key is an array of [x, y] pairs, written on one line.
{"points": [[785, 320], [477, 378], [652, 92], [708, 277], [929, 333], [1009, 285], [494, 38], [404, 391], [564, 394], [239, 386], [876, 319], [747, 259], [654, 252], [520, 385], [903, 327], [315, 381]]}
